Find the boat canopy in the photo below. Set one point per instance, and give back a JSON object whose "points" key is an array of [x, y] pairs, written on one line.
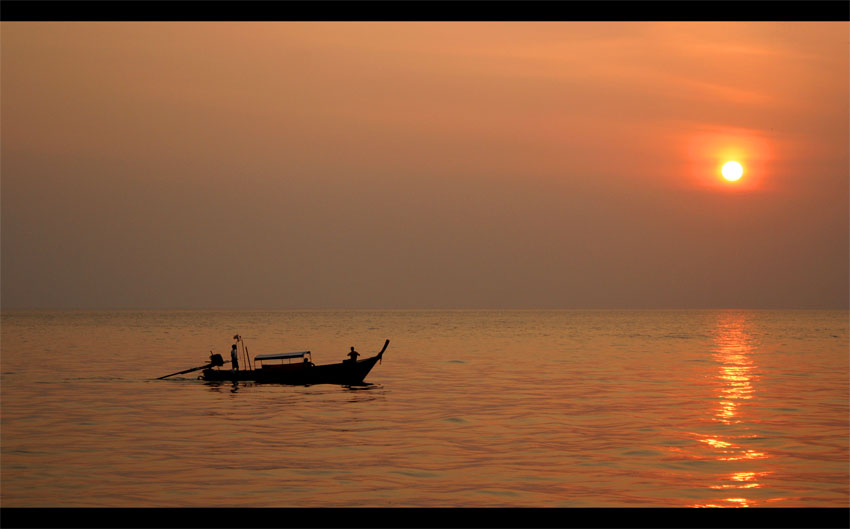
{"points": [[276, 356]]}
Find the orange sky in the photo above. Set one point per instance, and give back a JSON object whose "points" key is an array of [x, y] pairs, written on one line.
{"points": [[420, 165]]}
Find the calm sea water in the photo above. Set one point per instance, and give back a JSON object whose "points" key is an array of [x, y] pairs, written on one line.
{"points": [[468, 409]]}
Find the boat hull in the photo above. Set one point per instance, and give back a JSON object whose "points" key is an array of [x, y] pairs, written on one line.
{"points": [[344, 373]]}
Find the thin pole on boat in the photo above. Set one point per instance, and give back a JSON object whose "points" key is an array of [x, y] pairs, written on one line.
{"points": [[248, 356]]}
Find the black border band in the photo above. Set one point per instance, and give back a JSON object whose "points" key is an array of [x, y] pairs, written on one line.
{"points": [[419, 10], [778, 518]]}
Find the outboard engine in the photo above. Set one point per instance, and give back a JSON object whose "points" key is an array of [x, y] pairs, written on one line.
{"points": [[216, 360]]}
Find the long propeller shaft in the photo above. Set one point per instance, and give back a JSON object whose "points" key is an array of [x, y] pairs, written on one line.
{"points": [[190, 370]]}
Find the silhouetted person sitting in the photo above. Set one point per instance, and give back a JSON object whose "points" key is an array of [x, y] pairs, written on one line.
{"points": [[353, 354], [234, 358]]}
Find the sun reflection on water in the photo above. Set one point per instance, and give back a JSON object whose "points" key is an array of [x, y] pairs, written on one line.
{"points": [[742, 480], [733, 352], [736, 375]]}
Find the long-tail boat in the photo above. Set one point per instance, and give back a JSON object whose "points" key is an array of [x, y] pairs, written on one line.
{"points": [[290, 368]]}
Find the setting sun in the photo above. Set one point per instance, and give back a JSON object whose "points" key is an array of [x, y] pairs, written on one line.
{"points": [[732, 171], [728, 159]]}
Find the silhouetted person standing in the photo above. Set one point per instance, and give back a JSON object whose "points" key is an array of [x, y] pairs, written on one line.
{"points": [[353, 354], [234, 358]]}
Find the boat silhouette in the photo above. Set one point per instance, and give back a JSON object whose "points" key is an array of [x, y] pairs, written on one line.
{"points": [[290, 368]]}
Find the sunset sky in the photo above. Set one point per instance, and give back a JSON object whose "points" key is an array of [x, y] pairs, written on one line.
{"points": [[424, 165]]}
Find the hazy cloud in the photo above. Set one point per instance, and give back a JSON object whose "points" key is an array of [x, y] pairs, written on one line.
{"points": [[290, 165]]}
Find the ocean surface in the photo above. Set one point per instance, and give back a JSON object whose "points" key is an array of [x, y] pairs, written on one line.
{"points": [[468, 409]]}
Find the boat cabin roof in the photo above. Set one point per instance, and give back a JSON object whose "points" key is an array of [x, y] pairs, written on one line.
{"points": [[276, 356]]}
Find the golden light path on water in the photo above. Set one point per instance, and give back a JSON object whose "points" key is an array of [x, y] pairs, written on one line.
{"points": [[734, 346]]}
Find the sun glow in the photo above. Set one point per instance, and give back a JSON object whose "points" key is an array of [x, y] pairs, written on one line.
{"points": [[727, 160], [732, 171]]}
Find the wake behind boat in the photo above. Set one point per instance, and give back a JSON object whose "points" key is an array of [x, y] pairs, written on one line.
{"points": [[289, 368]]}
